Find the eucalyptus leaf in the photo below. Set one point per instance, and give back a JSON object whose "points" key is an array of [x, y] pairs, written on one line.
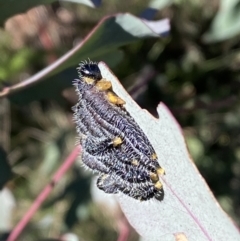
{"points": [[90, 3], [188, 211], [153, 7], [10, 8], [8, 204], [226, 23], [101, 44]]}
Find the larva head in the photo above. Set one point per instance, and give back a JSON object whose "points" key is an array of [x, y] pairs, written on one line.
{"points": [[89, 72]]}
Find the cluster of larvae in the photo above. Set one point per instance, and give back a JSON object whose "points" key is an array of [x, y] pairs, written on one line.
{"points": [[113, 144]]}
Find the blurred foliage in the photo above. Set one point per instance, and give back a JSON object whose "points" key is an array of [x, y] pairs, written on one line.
{"points": [[194, 71], [5, 168]]}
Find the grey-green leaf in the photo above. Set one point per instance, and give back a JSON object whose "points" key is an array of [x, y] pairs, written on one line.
{"points": [[101, 44], [226, 23], [12, 7], [188, 209]]}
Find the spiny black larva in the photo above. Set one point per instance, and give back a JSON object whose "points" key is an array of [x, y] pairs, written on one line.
{"points": [[113, 144]]}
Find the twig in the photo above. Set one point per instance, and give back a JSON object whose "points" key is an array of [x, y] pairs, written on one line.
{"points": [[44, 194], [123, 229]]}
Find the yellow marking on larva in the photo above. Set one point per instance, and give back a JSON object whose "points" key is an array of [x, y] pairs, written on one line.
{"points": [[103, 85], [158, 185], [117, 141], [114, 99], [104, 177], [154, 156], [135, 162], [154, 177], [88, 80], [160, 171]]}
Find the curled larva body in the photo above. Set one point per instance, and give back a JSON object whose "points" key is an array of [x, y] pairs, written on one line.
{"points": [[113, 144]]}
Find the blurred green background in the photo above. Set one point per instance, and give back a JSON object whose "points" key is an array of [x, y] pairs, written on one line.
{"points": [[194, 70]]}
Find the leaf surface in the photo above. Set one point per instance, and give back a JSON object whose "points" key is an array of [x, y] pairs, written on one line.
{"points": [[12, 7], [188, 209], [101, 44], [226, 23]]}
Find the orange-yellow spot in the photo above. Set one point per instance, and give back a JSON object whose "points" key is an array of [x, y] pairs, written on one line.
{"points": [[154, 156], [158, 185], [135, 162], [160, 171], [103, 85], [89, 80], [154, 177], [117, 141], [103, 177], [180, 237], [114, 99]]}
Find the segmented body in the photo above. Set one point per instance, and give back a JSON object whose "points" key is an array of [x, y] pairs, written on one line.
{"points": [[113, 144]]}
